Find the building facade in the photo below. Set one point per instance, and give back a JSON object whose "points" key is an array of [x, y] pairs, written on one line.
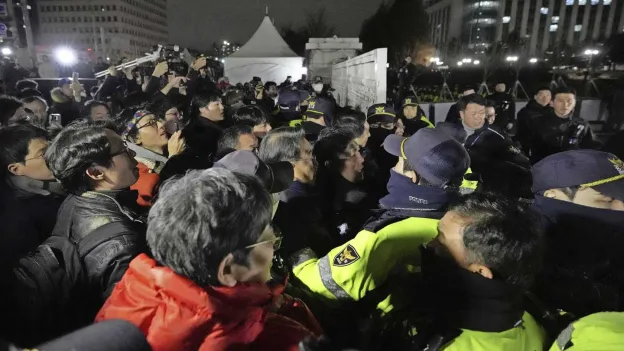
{"points": [[103, 28], [479, 23]]}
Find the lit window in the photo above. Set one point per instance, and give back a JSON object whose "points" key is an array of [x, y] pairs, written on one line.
{"points": [[594, 2], [578, 27], [555, 19], [544, 10], [569, 2], [607, 2], [582, 2], [553, 27], [506, 19]]}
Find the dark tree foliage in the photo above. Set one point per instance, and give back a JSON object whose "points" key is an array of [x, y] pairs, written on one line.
{"points": [[402, 27], [315, 26]]}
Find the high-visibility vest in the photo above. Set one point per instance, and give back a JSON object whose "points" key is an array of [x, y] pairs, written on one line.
{"points": [[351, 271], [600, 331]]}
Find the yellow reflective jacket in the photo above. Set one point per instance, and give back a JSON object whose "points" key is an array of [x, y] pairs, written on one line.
{"points": [[600, 331], [364, 263]]}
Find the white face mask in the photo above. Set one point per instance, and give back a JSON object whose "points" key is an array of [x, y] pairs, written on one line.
{"points": [[318, 87]]}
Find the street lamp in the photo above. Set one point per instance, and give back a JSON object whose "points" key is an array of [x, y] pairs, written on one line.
{"points": [[590, 52], [466, 60], [512, 58], [476, 62], [65, 56], [533, 60], [7, 51], [460, 63]]}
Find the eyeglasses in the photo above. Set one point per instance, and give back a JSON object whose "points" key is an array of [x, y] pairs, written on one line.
{"points": [[124, 150], [277, 241], [34, 158], [152, 123]]}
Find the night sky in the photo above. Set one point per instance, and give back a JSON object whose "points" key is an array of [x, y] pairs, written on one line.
{"points": [[197, 23]]}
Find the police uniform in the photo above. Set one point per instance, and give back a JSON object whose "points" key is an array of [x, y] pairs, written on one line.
{"points": [[601, 331], [412, 125], [503, 167], [552, 134]]}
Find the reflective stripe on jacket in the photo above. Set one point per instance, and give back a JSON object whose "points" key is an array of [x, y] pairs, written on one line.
{"points": [[364, 263]]}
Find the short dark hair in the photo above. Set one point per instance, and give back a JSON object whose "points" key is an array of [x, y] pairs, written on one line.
{"points": [[269, 84], [14, 141], [542, 88], [282, 144], [26, 84], [471, 99], [233, 97], [250, 115], [503, 235], [490, 103], [202, 217], [160, 107], [90, 105], [78, 147], [351, 121], [202, 100], [230, 136], [331, 146], [30, 99], [563, 90], [8, 106]]}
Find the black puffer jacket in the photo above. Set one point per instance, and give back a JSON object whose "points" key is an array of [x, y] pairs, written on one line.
{"points": [[80, 215]]}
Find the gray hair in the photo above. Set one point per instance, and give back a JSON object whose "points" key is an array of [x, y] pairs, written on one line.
{"points": [[282, 144], [202, 217]]}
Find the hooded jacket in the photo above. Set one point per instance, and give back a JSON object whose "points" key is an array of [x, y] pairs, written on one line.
{"points": [[67, 107], [176, 314], [582, 274]]}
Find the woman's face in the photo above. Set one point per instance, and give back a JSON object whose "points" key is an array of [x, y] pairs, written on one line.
{"points": [[151, 133]]}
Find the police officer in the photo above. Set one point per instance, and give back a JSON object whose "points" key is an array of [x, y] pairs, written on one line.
{"points": [[559, 130], [383, 122], [503, 167], [595, 332], [578, 193], [424, 181], [318, 116], [505, 108], [536, 108], [413, 116]]}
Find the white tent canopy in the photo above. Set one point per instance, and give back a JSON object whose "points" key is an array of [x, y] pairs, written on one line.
{"points": [[265, 55]]}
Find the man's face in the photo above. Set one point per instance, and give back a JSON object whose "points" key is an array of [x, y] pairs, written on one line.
{"points": [[500, 88], [354, 162], [449, 243], [123, 172], [363, 139], [260, 260], [66, 89], [473, 116], [305, 167], [34, 165], [152, 134], [410, 111], [272, 92], [588, 197], [262, 129], [563, 104], [39, 110], [490, 114], [214, 111], [543, 97], [99, 113], [247, 142]]}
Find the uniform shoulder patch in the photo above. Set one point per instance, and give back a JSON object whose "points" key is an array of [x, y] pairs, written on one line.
{"points": [[345, 257]]}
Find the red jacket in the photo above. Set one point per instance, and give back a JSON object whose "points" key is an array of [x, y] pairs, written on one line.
{"points": [[176, 314], [145, 185]]}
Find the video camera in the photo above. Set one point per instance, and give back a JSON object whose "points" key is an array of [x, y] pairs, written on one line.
{"points": [[175, 60]]}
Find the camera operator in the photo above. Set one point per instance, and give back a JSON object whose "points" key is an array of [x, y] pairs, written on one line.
{"points": [[559, 130]]}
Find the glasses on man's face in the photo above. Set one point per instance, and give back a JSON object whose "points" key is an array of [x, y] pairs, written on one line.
{"points": [[152, 123], [124, 150], [276, 241]]}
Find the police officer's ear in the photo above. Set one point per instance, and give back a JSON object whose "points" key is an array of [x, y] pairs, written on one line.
{"points": [[481, 270]]}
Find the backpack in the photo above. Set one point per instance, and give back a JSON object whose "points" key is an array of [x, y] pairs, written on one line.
{"points": [[48, 286]]}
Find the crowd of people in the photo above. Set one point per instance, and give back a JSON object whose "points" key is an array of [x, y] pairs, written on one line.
{"points": [[189, 214]]}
